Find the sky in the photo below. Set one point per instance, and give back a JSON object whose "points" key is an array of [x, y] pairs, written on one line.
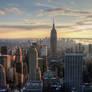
{"points": [[34, 18]]}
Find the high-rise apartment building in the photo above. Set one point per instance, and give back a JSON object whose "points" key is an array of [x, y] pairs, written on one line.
{"points": [[73, 71], [34, 71]]}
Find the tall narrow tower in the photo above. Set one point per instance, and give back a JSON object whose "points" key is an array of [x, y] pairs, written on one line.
{"points": [[53, 41]]}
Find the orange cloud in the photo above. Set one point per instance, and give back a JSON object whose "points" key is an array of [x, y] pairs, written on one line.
{"points": [[2, 12], [13, 10]]}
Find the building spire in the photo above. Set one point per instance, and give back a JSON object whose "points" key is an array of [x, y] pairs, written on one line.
{"points": [[53, 23]]}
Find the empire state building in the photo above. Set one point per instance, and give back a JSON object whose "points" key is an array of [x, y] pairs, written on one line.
{"points": [[53, 41]]}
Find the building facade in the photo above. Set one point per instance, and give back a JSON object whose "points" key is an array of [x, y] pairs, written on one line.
{"points": [[73, 71], [90, 49], [34, 70]]}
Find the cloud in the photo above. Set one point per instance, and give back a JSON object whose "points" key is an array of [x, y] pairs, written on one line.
{"points": [[50, 0], [89, 16], [25, 27], [35, 26], [13, 10], [40, 4], [73, 31], [66, 29], [47, 5], [2, 13], [84, 21], [63, 11]]}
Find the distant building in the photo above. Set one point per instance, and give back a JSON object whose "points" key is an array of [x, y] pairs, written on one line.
{"points": [[25, 71], [57, 66], [31, 86], [5, 60], [41, 65], [53, 41], [87, 87], [43, 59], [73, 71], [90, 50], [50, 81], [79, 48], [49, 78], [3, 86], [4, 50]]}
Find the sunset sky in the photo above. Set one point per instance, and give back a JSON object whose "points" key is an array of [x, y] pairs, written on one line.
{"points": [[34, 18]]}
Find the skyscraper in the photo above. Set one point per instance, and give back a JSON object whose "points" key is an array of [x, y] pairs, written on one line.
{"points": [[5, 60], [2, 77], [73, 71], [19, 68], [43, 54], [90, 49], [53, 41], [34, 71], [34, 84]]}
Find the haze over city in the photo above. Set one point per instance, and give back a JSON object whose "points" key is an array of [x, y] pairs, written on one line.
{"points": [[34, 18]]}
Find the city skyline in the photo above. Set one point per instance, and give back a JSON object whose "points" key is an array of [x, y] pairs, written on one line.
{"points": [[34, 18]]}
